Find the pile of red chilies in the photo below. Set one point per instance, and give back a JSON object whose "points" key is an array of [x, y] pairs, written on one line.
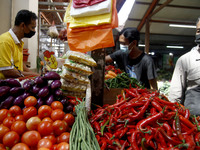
{"points": [[144, 120]]}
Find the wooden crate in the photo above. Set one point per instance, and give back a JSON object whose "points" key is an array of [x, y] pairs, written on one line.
{"points": [[109, 96]]}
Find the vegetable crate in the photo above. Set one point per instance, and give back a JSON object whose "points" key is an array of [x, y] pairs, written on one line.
{"points": [[109, 96]]}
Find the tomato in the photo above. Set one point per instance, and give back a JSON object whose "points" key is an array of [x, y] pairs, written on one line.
{"points": [[30, 101], [8, 121], [19, 127], [29, 112], [3, 131], [32, 123], [3, 114], [57, 114], [20, 146], [45, 143], [44, 111], [59, 127], [50, 137], [31, 138], [57, 105], [15, 110], [69, 118], [63, 146], [19, 118], [54, 147], [2, 147], [10, 139], [64, 137], [45, 128], [47, 119]]}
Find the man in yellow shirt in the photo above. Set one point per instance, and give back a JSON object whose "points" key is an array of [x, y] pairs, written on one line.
{"points": [[11, 46]]}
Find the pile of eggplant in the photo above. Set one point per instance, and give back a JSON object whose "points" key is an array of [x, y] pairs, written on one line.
{"points": [[45, 88]]}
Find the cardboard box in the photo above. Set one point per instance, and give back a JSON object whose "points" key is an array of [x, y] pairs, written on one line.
{"points": [[110, 96]]}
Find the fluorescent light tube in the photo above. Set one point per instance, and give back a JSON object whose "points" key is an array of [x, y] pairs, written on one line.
{"points": [[141, 45], [174, 46], [182, 26], [124, 11]]}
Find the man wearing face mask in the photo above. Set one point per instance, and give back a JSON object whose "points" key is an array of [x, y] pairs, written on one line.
{"points": [[11, 46], [132, 60], [185, 83]]}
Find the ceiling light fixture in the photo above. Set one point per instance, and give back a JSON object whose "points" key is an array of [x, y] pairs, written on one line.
{"points": [[174, 46], [182, 26], [141, 45], [124, 11]]}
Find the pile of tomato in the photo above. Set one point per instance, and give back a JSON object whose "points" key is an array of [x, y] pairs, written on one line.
{"points": [[46, 128]]}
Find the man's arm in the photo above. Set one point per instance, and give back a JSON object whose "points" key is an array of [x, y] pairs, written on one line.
{"points": [[28, 72], [108, 59], [153, 84]]}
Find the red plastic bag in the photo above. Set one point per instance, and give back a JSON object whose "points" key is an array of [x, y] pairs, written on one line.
{"points": [[84, 3]]}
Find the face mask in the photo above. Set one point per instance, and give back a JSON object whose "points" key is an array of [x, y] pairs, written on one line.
{"points": [[29, 35], [197, 40], [124, 47]]}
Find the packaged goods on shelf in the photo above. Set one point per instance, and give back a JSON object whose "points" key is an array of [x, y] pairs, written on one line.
{"points": [[69, 86], [75, 94], [77, 67], [81, 58]]}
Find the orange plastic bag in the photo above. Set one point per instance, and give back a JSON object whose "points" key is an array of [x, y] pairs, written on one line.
{"points": [[95, 37]]}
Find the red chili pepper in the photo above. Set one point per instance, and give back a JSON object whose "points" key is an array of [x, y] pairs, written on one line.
{"points": [[96, 117], [156, 105], [164, 102], [96, 126], [153, 111], [140, 113], [127, 105], [168, 128], [134, 140], [186, 121], [104, 144], [197, 138], [178, 128], [130, 93], [189, 143], [120, 133], [162, 140], [168, 138], [98, 137], [190, 131], [152, 119], [124, 145]]}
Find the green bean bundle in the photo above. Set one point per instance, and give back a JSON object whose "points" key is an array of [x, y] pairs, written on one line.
{"points": [[82, 136]]}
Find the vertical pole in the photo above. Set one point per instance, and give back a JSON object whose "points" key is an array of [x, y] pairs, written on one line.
{"points": [[97, 78], [147, 36]]}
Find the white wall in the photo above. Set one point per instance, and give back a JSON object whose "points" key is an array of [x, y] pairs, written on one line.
{"points": [[32, 43], [5, 15]]}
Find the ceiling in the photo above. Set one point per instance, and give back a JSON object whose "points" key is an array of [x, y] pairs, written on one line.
{"points": [[160, 13]]}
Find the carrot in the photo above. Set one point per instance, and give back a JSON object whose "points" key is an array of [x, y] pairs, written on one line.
{"points": [[112, 73], [108, 76]]}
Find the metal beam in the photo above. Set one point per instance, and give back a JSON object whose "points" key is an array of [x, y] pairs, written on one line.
{"points": [[170, 5], [165, 21], [51, 10], [45, 18], [54, 4], [148, 12]]}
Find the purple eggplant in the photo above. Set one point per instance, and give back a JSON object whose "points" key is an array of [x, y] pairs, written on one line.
{"points": [[43, 92], [35, 89], [40, 102], [13, 83], [64, 101], [25, 95], [49, 100], [19, 101], [55, 84], [7, 102], [4, 90], [58, 93], [69, 108], [16, 91], [40, 81], [52, 76], [3, 82], [28, 84]]}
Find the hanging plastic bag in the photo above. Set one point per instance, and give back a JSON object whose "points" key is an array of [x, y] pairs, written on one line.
{"points": [[92, 38], [87, 21], [53, 32]]}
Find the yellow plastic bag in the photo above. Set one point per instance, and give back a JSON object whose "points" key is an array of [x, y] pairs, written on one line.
{"points": [[87, 21]]}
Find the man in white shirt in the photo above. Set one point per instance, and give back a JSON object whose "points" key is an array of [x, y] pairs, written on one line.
{"points": [[185, 83]]}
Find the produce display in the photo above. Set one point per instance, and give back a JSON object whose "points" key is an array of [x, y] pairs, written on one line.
{"points": [[32, 128], [142, 119], [82, 136], [45, 88], [122, 81]]}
